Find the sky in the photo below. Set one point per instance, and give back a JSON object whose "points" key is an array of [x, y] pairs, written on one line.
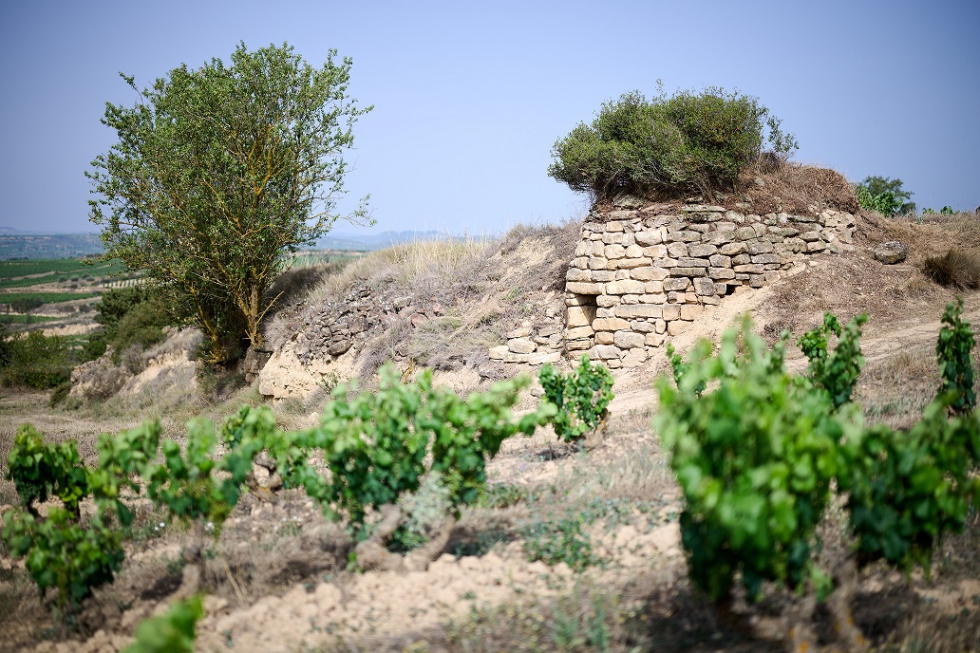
{"points": [[469, 97]]}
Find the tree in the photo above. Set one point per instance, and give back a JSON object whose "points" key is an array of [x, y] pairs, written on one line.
{"points": [[885, 196], [218, 174]]}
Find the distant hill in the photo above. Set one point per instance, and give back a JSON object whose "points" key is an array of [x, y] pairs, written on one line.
{"points": [[15, 243], [371, 242]]}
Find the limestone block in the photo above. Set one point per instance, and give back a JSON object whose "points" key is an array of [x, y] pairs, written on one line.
{"points": [[816, 246], [810, 236], [757, 280], [734, 216], [498, 353], [607, 301], [656, 339], [759, 247], [625, 287], [656, 298], [638, 310], [606, 352], [619, 275], [628, 240], [544, 357], [768, 259], [610, 323], [634, 251], [522, 331], [631, 299], [604, 312], [721, 273], [579, 262], [720, 261], [521, 346], [604, 338], [689, 262], [665, 262], [576, 274], [612, 238], [602, 276], [751, 268], [614, 251], [676, 284], [628, 339], [688, 272], [598, 263], [614, 364], [580, 288], [578, 300], [741, 259], [660, 326], [701, 251], [655, 251], [745, 233], [641, 326], [614, 226], [671, 312], [629, 263], [642, 274], [578, 345], [712, 300], [653, 287], [725, 226], [700, 228], [733, 249], [677, 249], [677, 327], [785, 232], [648, 237], [511, 357], [703, 286], [579, 332]]}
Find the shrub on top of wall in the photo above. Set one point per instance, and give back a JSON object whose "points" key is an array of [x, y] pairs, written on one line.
{"points": [[665, 147]]}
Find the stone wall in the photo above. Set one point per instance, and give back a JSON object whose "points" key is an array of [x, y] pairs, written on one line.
{"points": [[639, 276]]}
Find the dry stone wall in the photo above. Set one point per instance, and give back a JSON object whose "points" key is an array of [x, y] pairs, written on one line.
{"points": [[639, 276]]}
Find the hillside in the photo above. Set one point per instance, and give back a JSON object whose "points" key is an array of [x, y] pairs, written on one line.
{"points": [[571, 550]]}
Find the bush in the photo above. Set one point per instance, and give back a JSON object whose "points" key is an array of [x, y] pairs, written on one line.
{"points": [[954, 268], [668, 146], [36, 361], [132, 317], [581, 398]]}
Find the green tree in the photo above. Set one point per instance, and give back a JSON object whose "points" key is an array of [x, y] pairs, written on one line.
{"points": [[218, 174], [885, 196]]}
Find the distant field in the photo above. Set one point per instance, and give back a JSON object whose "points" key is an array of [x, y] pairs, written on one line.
{"points": [[319, 257], [54, 268], [24, 319], [45, 297]]}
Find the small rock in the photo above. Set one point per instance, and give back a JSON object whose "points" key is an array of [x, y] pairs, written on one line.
{"points": [[891, 252], [521, 346]]}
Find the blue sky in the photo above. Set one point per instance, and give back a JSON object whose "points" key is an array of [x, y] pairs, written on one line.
{"points": [[470, 97]]}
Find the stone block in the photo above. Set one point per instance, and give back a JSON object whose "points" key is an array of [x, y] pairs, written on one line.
{"points": [[580, 288], [628, 240], [757, 280], [721, 273], [656, 339], [660, 326], [760, 247], [521, 346], [745, 233], [604, 338], [598, 263], [602, 276], [610, 323], [701, 251], [614, 226], [579, 345], [677, 249], [653, 287], [655, 251], [703, 286], [720, 261], [732, 249], [577, 274], [816, 246], [604, 312], [631, 299], [541, 358], [630, 263], [497, 353], [741, 259], [671, 312], [768, 259], [688, 272], [579, 332], [607, 301], [612, 238], [579, 262], [641, 326], [655, 298], [619, 275], [628, 339], [676, 284], [665, 263], [634, 251], [648, 237], [689, 262], [638, 310], [606, 352], [522, 331], [613, 252], [625, 287], [751, 268]]}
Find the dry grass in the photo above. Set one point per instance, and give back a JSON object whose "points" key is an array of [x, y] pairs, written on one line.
{"points": [[956, 268], [796, 188]]}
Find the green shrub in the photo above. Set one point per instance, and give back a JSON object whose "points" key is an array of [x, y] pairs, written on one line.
{"points": [[835, 372], [667, 146], [131, 317], [954, 352], [172, 632], [581, 398], [36, 361]]}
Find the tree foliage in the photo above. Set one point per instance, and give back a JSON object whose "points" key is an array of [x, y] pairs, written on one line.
{"points": [[217, 174], [885, 196], [666, 146]]}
